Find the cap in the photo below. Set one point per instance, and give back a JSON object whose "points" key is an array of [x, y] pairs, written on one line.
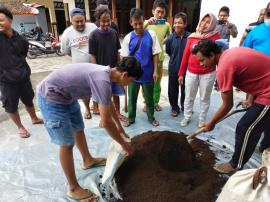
{"points": [[76, 11]]}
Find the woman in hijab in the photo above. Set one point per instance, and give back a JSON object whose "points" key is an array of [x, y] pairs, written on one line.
{"points": [[196, 76]]}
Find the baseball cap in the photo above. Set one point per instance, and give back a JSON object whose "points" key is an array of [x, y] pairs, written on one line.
{"points": [[76, 11]]}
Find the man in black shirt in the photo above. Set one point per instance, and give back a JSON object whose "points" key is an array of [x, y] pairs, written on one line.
{"points": [[15, 73]]}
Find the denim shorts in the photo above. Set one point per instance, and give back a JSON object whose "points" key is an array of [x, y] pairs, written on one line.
{"points": [[61, 120], [117, 90]]}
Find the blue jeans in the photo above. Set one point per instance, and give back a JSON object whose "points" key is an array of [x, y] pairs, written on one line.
{"points": [[61, 120]]}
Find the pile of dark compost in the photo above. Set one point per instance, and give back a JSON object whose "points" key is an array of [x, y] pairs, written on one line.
{"points": [[166, 168]]}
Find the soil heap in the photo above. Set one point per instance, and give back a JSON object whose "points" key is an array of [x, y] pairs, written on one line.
{"points": [[166, 168]]}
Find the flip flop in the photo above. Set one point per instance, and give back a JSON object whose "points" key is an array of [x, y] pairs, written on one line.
{"points": [[92, 197], [96, 112], [87, 115], [98, 162], [37, 121], [128, 123], [174, 113], [24, 133], [155, 123]]}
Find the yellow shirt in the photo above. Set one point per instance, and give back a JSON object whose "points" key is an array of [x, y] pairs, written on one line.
{"points": [[162, 31]]}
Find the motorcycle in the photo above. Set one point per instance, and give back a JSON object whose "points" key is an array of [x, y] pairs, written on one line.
{"points": [[37, 48]]}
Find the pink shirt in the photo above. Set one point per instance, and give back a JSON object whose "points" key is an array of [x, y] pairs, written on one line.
{"points": [[246, 69]]}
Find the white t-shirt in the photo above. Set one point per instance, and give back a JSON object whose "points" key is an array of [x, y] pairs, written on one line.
{"points": [[124, 52], [76, 43]]}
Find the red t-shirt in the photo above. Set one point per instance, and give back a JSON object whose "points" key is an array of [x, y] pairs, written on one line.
{"points": [[246, 69], [190, 62]]}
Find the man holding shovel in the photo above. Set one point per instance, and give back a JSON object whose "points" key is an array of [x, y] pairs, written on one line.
{"points": [[249, 71]]}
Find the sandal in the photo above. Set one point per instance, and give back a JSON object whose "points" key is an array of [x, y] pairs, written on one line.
{"points": [[174, 113], [97, 163], [158, 108], [23, 133], [128, 123], [155, 123], [87, 115], [37, 121], [90, 196]]}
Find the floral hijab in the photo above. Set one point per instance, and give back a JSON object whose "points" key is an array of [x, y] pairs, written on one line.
{"points": [[210, 31]]}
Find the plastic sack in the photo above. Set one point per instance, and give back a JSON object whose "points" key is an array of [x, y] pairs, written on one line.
{"points": [[115, 158], [251, 185]]}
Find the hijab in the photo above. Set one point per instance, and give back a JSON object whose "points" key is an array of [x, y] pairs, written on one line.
{"points": [[209, 31]]}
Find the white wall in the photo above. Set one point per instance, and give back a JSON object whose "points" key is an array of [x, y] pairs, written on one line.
{"points": [[242, 12]]}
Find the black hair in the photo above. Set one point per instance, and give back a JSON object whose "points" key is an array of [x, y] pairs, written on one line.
{"points": [[268, 6], [103, 2], [6, 12], [181, 15], [100, 11], [224, 9], [159, 3], [131, 66], [206, 48], [136, 13]]}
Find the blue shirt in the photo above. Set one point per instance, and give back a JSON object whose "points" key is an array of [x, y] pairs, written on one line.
{"points": [[259, 39], [175, 47], [143, 55]]}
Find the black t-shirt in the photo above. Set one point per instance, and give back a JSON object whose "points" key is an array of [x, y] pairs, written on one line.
{"points": [[105, 46], [13, 66]]}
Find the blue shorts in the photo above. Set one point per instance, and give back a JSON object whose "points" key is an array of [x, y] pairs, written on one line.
{"points": [[117, 90], [61, 120]]}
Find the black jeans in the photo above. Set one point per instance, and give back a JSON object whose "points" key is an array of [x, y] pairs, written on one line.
{"points": [[248, 132]]}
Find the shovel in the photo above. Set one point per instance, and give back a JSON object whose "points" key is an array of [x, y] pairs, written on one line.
{"points": [[199, 131]]}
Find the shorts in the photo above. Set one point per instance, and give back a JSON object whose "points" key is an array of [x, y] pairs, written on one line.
{"points": [[11, 94], [117, 90], [61, 120]]}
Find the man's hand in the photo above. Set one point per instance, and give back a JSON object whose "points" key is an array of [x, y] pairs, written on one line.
{"points": [[181, 80], [155, 76], [208, 127], [246, 103], [128, 148]]}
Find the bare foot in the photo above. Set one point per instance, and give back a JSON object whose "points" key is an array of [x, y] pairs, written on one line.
{"points": [[23, 133], [37, 120]]}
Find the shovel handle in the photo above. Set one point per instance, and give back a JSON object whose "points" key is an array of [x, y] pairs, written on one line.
{"points": [[194, 134], [199, 131]]}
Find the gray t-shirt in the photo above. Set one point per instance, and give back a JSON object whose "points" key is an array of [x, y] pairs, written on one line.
{"points": [[74, 81], [76, 43], [224, 30]]}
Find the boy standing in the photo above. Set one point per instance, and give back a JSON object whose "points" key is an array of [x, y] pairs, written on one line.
{"points": [[175, 45], [144, 46], [162, 29], [103, 48]]}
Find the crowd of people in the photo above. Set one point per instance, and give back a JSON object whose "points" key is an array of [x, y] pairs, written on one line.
{"points": [[101, 67]]}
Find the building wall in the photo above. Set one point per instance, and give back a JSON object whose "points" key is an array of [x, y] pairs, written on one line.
{"points": [[30, 22], [242, 12]]}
